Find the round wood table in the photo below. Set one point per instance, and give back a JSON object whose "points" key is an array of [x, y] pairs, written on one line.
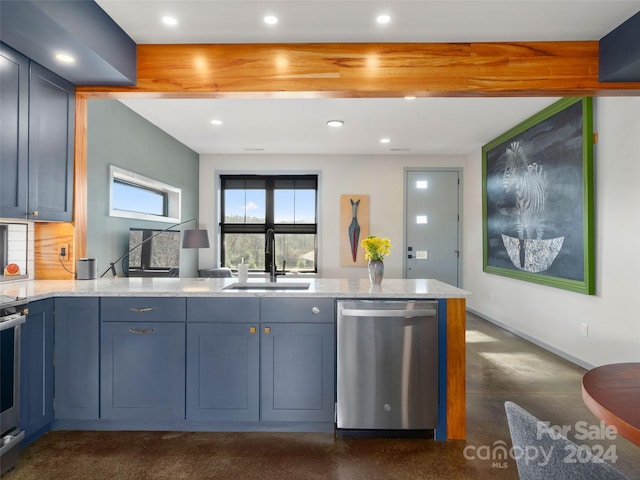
{"points": [[612, 393]]}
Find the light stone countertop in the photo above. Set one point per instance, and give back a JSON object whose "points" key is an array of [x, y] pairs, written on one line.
{"points": [[213, 287]]}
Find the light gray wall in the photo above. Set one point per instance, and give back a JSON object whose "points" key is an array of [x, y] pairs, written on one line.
{"points": [[117, 135]]}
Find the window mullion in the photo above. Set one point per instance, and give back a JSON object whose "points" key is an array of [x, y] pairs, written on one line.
{"points": [[270, 206], [269, 218]]}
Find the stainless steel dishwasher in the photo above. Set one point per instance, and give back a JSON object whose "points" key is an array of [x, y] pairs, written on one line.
{"points": [[387, 365]]}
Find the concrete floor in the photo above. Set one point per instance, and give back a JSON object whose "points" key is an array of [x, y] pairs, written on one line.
{"points": [[500, 367]]}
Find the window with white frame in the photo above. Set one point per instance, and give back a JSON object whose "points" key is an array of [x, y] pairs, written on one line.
{"points": [[135, 196]]}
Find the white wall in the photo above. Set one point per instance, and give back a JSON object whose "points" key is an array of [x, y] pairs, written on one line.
{"points": [[21, 234], [548, 316], [381, 177], [553, 317]]}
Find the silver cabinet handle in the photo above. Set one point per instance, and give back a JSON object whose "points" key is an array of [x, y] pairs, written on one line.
{"points": [[315, 310], [142, 310], [141, 332]]}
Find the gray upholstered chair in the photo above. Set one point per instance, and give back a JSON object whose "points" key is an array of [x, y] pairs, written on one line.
{"points": [[556, 457], [173, 272], [215, 272]]}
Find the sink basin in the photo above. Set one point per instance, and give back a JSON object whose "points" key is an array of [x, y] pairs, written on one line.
{"points": [[268, 286]]}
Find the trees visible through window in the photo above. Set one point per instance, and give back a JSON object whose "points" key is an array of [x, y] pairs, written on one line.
{"points": [[253, 204]]}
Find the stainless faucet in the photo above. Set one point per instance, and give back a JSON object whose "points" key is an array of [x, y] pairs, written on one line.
{"points": [[270, 248]]}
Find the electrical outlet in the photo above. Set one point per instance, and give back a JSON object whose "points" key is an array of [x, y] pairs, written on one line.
{"points": [[584, 329]]}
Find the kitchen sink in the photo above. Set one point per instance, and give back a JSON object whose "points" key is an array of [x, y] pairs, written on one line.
{"points": [[268, 286]]}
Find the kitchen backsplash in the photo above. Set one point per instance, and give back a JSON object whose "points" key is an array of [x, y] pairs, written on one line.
{"points": [[16, 247]]}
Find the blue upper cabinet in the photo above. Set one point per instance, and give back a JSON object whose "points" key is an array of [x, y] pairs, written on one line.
{"points": [[51, 133], [14, 146], [36, 140]]}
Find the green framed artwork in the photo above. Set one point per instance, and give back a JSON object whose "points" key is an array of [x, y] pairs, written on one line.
{"points": [[537, 199]]}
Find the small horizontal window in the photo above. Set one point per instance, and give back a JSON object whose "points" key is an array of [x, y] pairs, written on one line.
{"points": [[136, 196]]}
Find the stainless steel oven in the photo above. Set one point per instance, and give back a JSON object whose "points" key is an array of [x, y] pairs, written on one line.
{"points": [[12, 314]]}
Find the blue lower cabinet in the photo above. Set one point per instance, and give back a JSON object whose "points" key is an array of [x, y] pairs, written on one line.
{"points": [[77, 339], [297, 372], [36, 375], [142, 371], [223, 372]]}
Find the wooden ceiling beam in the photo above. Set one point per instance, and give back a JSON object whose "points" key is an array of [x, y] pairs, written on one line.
{"points": [[367, 70]]}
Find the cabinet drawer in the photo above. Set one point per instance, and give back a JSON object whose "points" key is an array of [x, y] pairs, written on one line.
{"points": [[312, 310], [227, 310], [143, 309]]}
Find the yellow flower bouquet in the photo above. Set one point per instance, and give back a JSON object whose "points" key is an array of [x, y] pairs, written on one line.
{"points": [[376, 248]]}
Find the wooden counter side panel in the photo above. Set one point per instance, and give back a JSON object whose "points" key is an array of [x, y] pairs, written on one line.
{"points": [[456, 369], [568, 68]]}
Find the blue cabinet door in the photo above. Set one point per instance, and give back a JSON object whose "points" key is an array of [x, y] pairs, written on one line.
{"points": [[36, 375], [142, 371], [297, 372], [14, 133], [51, 134], [77, 331], [223, 371], [37, 108]]}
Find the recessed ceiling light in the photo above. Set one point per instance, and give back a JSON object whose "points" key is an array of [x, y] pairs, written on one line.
{"points": [[169, 20], [385, 140], [335, 123], [270, 19], [216, 122], [382, 19], [409, 97], [64, 58]]}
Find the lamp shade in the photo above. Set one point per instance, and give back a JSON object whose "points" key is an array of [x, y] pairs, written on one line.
{"points": [[195, 239]]}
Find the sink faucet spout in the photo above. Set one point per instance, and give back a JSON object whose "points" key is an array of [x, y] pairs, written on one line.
{"points": [[270, 248]]}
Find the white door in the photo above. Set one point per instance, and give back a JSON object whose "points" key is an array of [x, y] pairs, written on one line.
{"points": [[432, 225]]}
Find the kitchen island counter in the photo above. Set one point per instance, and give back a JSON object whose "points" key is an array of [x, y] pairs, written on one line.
{"points": [[71, 297], [202, 287]]}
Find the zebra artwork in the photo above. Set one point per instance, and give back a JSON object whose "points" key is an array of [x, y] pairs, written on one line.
{"points": [[527, 180]]}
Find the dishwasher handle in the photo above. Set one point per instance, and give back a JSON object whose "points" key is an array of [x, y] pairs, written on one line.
{"points": [[353, 312]]}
